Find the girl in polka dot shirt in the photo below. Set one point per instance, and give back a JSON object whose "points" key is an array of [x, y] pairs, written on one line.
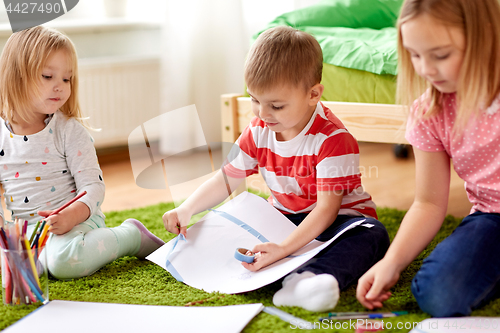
{"points": [[47, 157], [450, 48]]}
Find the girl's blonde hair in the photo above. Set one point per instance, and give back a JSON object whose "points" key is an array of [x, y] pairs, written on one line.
{"points": [[21, 64], [479, 78]]}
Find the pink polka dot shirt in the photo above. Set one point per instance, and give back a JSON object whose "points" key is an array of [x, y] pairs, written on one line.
{"points": [[475, 154]]}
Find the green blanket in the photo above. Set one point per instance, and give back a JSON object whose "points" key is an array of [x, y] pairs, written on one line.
{"points": [[356, 34], [374, 14]]}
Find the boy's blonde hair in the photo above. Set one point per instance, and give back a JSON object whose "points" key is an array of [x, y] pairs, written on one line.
{"points": [[479, 79], [283, 55], [21, 64]]}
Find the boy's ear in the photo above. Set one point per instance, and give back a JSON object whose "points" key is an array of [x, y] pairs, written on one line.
{"points": [[315, 93]]}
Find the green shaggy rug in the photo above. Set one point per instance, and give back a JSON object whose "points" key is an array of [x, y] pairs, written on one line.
{"points": [[129, 280]]}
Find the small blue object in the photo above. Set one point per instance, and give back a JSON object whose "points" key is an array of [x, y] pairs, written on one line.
{"points": [[240, 254]]}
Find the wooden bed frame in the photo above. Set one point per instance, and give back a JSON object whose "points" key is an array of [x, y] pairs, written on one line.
{"points": [[384, 123]]}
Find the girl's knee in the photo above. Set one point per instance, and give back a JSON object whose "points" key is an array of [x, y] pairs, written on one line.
{"points": [[437, 297], [64, 259], [64, 270]]}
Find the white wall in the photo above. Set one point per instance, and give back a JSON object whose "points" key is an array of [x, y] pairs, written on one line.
{"points": [[119, 68], [204, 45]]}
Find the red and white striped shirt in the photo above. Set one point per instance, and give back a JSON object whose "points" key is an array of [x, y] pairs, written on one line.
{"points": [[324, 156]]}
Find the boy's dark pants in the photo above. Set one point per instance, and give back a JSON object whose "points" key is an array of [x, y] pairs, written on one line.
{"points": [[350, 255]]}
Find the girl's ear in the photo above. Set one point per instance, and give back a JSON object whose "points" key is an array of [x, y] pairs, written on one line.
{"points": [[315, 93]]}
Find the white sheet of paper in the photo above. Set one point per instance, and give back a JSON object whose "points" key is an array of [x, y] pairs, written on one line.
{"points": [[85, 317], [206, 259], [458, 325]]}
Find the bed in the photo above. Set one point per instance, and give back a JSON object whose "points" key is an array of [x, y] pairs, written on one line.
{"points": [[358, 39]]}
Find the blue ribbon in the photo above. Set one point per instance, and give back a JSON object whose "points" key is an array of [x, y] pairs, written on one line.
{"points": [[174, 272], [169, 265], [241, 224]]}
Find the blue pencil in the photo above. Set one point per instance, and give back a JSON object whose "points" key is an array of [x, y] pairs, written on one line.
{"points": [[362, 315], [33, 287]]}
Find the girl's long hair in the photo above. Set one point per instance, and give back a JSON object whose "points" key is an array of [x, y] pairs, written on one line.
{"points": [[479, 78]]}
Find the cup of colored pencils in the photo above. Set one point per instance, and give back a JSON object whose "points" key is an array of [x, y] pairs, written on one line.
{"points": [[24, 263]]}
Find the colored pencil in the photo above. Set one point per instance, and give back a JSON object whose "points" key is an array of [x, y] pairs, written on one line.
{"points": [[33, 288], [35, 241], [337, 314], [32, 261], [30, 295], [8, 282], [17, 229], [44, 242], [3, 239], [25, 227], [68, 203], [33, 234], [363, 315], [20, 276], [44, 234]]}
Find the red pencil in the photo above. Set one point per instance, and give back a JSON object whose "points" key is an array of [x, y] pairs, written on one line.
{"points": [[25, 227], [68, 203], [8, 281]]}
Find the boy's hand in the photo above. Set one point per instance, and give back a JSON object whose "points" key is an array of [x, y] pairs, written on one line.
{"points": [[269, 253], [176, 221], [373, 286]]}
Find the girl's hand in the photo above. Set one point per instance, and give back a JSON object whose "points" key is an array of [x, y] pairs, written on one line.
{"points": [[67, 218], [373, 286], [176, 220], [269, 253], [59, 223]]}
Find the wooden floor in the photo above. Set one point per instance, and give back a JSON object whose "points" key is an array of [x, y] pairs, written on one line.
{"points": [[389, 180]]}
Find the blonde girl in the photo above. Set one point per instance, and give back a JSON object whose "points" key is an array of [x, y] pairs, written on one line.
{"points": [[47, 157], [450, 49]]}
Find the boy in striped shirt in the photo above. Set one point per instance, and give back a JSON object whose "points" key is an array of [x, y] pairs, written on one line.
{"points": [[310, 163]]}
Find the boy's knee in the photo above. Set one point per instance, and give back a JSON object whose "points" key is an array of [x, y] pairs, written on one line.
{"points": [[381, 233], [437, 297], [380, 236]]}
